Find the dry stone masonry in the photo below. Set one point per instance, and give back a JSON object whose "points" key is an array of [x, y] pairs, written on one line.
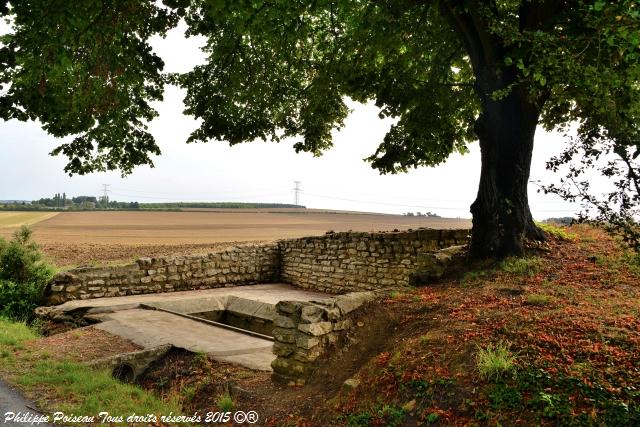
{"points": [[242, 265], [304, 331], [348, 262], [361, 267], [335, 263]]}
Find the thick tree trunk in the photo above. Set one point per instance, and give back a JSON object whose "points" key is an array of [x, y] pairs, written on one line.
{"points": [[501, 215], [506, 128]]}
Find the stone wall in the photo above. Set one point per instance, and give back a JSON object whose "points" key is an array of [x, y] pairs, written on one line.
{"points": [[334, 263], [241, 265], [347, 262], [304, 331]]}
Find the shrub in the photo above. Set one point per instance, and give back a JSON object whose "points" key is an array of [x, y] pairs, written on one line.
{"points": [[23, 276], [18, 301], [21, 260], [495, 361]]}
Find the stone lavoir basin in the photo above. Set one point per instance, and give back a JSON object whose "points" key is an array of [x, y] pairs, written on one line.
{"points": [[269, 327], [244, 315], [276, 307], [232, 324]]}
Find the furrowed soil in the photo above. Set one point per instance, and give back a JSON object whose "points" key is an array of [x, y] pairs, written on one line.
{"points": [[91, 238]]}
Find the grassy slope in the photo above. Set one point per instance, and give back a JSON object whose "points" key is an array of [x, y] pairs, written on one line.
{"points": [[558, 332], [61, 384], [570, 316]]}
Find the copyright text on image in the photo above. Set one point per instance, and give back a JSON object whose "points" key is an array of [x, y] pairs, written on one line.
{"points": [[29, 418]]}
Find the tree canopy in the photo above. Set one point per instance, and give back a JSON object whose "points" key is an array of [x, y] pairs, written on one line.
{"points": [[450, 72], [85, 68]]}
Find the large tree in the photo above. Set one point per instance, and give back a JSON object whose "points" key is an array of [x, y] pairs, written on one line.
{"points": [[451, 72]]}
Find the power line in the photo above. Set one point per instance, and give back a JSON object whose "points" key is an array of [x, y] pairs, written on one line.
{"points": [[105, 193], [173, 199], [415, 206], [201, 193], [296, 193], [346, 193]]}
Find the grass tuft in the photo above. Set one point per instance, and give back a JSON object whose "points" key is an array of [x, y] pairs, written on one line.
{"points": [[521, 266], [13, 333], [495, 361], [539, 299], [225, 403]]}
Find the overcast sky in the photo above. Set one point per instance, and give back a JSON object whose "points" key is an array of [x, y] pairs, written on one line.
{"points": [[261, 171]]}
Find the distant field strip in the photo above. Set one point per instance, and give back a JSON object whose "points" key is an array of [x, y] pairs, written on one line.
{"points": [[16, 219]]}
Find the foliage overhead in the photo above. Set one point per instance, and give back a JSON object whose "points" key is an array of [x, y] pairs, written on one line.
{"points": [[618, 209], [283, 68], [86, 69]]}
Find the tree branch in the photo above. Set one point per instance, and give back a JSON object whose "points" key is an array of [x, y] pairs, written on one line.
{"points": [[465, 27], [536, 15]]}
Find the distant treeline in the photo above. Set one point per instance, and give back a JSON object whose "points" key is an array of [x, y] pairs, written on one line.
{"points": [[60, 202], [216, 205]]}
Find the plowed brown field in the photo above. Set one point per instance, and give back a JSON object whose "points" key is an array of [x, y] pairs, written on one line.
{"points": [[73, 238]]}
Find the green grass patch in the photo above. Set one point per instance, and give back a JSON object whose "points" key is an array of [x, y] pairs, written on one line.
{"points": [[225, 403], [495, 361], [539, 299], [395, 294], [556, 231], [522, 266], [628, 260], [74, 387], [503, 396], [13, 333], [557, 399], [88, 392], [385, 415]]}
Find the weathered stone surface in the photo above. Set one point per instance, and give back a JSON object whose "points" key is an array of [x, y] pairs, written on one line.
{"points": [[151, 275], [349, 262], [316, 329], [306, 342], [284, 335], [284, 322], [290, 366], [349, 302], [432, 265], [283, 350], [289, 307], [311, 314], [312, 340], [365, 264], [342, 325], [137, 361]]}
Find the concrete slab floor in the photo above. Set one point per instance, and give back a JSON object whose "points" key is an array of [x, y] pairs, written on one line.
{"points": [[150, 328], [270, 293], [125, 317]]}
